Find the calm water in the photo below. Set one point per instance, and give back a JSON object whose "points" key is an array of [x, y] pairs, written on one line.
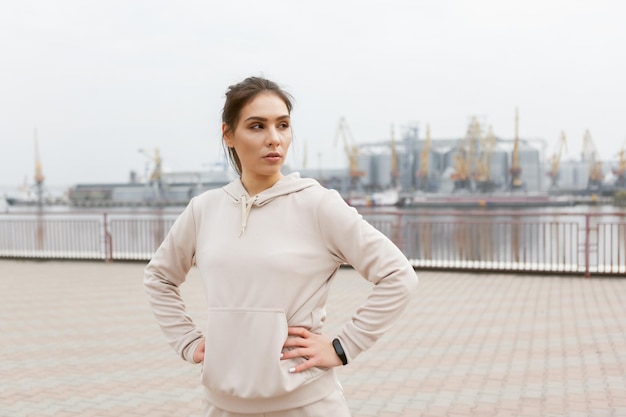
{"points": [[530, 236], [543, 212]]}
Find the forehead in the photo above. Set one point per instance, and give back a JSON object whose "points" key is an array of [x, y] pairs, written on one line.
{"points": [[265, 105]]}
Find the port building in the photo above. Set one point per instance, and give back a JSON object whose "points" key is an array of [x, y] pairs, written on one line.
{"points": [[470, 164]]}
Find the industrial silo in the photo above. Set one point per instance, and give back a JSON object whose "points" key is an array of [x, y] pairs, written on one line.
{"points": [[365, 166], [567, 175], [448, 158], [382, 166], [499, 167], [531, 168]]}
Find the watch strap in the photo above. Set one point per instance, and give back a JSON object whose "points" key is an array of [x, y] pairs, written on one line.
{"points": [[339, 351]]}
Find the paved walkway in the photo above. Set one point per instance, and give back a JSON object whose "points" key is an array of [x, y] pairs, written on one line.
{"points": [[78, 339]]}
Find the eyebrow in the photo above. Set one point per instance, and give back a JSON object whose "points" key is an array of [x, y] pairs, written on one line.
{"points": [[265, 119]]}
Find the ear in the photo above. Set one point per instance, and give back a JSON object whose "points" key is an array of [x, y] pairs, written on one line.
{"points": [[227, 135]]}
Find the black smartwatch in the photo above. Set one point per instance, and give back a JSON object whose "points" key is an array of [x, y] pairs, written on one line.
{"points": [[339, 351]]}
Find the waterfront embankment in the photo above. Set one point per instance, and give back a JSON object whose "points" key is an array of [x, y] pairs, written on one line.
{"points": [[78, 339]]}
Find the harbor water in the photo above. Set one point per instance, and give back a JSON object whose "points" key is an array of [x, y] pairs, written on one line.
{"points": [[579, 239]]}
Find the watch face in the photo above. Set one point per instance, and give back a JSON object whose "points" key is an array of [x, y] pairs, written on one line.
{"points": [[339, 351], [337, 346]]}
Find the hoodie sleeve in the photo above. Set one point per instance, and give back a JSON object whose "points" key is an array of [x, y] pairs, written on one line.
{"points": [[354, 241], [165, 272]]}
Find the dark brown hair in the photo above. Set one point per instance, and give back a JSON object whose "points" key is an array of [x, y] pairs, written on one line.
{"points": [[237, 96]]}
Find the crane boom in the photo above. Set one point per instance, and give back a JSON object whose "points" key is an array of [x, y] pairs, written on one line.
{"points": [[516, 169], [482, 174], [620, 172], [465, 159], [351, 150], [395, 173], [555, 160], [423, 173], [590, 154], [622, 157], [155, 157], [425, 153], [39, 177]]}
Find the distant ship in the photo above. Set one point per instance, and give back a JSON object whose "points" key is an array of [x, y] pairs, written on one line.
{"points": [[386, 198], [27, 197], [167, 189], [499, 200], [36, 194]]}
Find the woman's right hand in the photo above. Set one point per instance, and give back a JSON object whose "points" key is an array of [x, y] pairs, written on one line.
{"points": [[198, 355]]}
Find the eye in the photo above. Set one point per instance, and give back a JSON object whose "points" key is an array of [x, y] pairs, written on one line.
{"points": [[284, 125], [256, 126]]}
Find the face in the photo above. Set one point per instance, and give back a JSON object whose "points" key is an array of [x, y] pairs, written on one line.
{"points": [[261, 138]]}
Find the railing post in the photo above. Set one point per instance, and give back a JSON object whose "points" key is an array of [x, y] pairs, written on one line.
{"points": [[108, 244], [398, 232], [587, 244]]}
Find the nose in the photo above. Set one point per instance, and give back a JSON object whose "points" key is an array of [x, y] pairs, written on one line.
{"points": [[273, 137]]}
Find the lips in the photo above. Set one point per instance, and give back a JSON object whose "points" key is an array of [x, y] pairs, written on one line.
{"points": [[273, 157]]}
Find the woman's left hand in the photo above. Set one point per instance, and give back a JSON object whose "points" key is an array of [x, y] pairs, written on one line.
{"points": [[316, 348]]}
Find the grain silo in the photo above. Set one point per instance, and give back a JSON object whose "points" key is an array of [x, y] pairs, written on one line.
{"points": [[382, 167], [499, 167], [531, 168]]}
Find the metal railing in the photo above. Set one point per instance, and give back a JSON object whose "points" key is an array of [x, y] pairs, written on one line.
{"points": [[580, 243]]}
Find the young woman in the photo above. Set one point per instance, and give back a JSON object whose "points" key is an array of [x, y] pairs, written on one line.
{"points": [[267, 246]]}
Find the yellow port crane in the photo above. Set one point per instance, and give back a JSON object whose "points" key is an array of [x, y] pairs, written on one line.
{"points": [[590, 155], [516, 169], [555, 161], [464, 158], [620, 172], [39, 177], [395, 172], [482, 173], [352, 152], [155, 176], [461, 172], [424, 159], [155, 157]]}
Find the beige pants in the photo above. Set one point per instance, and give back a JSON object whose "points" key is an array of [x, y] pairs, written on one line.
{"points": [[332, 406]]}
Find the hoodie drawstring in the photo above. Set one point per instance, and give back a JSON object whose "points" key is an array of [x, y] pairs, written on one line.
{"points": [[246, 206]]}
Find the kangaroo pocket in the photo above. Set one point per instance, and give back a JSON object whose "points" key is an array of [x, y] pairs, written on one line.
{"points": [[242, 354]]}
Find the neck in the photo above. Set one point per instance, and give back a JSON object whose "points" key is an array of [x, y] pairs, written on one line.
{"points": [[258, 185]]}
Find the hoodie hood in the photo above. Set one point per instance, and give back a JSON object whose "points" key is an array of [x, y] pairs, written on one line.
{"points": [[288, 184]]}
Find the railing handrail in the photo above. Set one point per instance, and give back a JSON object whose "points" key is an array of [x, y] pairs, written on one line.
{"points": [[393, 221], [362, 211], [489, 213]]}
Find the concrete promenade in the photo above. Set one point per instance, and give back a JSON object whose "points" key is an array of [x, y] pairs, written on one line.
{"points": [[78, 339]]}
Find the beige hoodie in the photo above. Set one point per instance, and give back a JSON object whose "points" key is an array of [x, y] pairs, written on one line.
{"points": [[267, 262]]}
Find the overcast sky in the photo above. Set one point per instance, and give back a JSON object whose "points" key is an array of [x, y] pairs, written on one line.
{"points": [[102, 79]]}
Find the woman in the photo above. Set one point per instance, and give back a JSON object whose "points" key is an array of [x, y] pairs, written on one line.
{"points": [[267, 246]]}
